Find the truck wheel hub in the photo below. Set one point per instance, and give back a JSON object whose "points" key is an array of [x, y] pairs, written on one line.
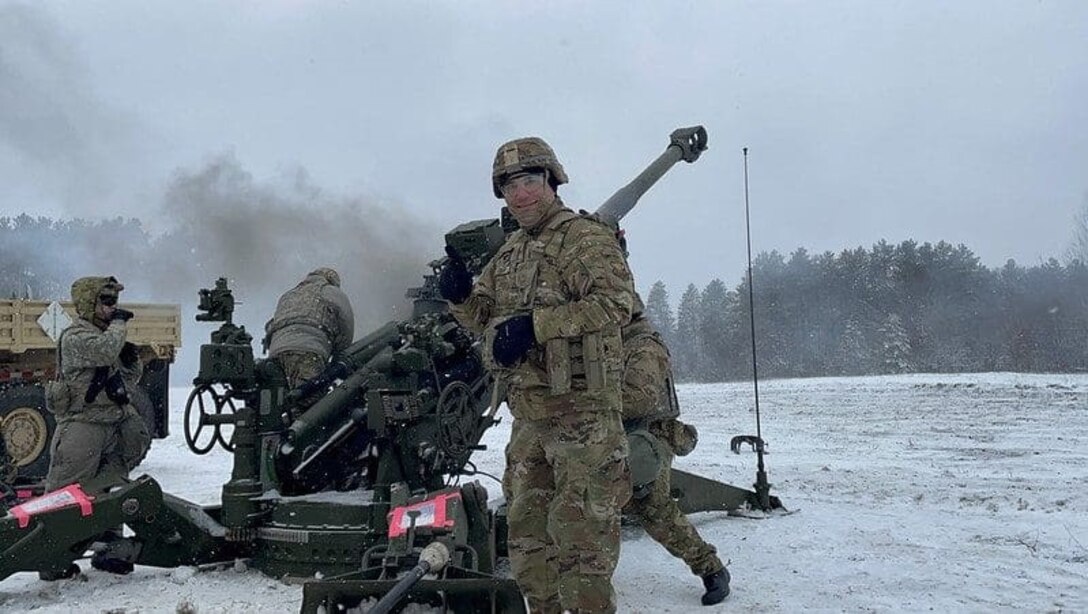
{"points": [[25, 433]]}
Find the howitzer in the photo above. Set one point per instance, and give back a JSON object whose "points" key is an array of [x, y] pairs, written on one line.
{"points": [[351, 476], [476, 242], [684, 144]]}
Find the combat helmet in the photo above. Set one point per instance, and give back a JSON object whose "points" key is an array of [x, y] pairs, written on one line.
{"points": [[521, 155], [329, 274], [86, 290]]}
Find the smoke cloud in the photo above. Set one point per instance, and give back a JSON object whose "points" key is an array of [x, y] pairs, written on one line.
{"points": [[74, 164], [264, 237]]}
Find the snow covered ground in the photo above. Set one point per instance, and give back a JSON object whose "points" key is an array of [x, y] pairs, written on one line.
{"points": [[965, 493]]}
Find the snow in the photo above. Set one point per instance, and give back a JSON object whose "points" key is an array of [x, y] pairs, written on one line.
{"points": [[911, 493]]}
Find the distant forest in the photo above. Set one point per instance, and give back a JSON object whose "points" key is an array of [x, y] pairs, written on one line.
{"points": [[889, 309]]}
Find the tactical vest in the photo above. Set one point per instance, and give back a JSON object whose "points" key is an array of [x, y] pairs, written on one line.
{"points": [[640, 337], [527, 273], [304, 305], [100, 408]]}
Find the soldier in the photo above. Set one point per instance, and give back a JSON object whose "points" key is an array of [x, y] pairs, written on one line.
{"points": [[313, 321], [650, 413], [100, 435], [550, 306]]}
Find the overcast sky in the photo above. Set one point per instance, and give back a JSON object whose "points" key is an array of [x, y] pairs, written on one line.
{"points": [[958, 121]]}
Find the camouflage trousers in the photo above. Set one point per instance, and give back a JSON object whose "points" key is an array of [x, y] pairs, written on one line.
{"points": [[300, 366], [97, 455], [566, 480], [662, 519]]}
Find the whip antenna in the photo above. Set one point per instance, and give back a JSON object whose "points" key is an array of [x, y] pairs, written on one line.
{"points": [[762, 486]]}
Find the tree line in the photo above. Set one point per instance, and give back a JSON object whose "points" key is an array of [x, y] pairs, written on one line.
{"points": [[889, 309]]}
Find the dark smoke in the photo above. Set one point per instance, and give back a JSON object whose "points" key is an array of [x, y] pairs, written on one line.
{"points": [[222, 223], [61, 145], [265, 238]]}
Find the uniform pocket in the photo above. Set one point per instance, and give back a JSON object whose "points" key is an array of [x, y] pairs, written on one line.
{"points": [[58, 397]]}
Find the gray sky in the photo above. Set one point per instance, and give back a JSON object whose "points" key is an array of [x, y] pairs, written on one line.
{"points": [[957, 121]]}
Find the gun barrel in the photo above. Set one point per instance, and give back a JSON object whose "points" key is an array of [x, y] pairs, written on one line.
{"points": [[433, 558], [324, 416], [684, 144]]}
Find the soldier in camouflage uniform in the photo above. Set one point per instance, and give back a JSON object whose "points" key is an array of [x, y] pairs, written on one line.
{"points": [[100, 436], [550, 306], [313, 321], [650, 416]]}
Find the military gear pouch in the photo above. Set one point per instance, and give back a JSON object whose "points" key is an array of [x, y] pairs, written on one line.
{"points": [[593, 359], [646, 459], [58, 394], [58, 397], [559, 371], [681, 437]]}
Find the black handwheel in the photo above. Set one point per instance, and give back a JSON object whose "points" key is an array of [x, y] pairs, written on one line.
{"points": [[208, 417], [457, 420], [223, 403]]}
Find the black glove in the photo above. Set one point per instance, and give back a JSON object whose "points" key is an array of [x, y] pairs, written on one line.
{"points": [[513, 339], [454, 282], [121, 314], [129, 354], [115, 389], [98, 383]]}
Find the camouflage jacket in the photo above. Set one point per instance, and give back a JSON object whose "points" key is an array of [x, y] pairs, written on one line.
{"points": [[314, 316], [83, 349], [571, 276], [647, 375]]}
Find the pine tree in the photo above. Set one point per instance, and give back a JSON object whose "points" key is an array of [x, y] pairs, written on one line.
{"points": [[853, 350], [659, 312], [713, 336], [895, 346], [686, 351]]}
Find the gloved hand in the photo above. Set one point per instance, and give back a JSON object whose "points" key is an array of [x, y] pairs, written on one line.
{"points": [[115, 389], [121, 314], [454, 282], [129, 354], [513, 339]]}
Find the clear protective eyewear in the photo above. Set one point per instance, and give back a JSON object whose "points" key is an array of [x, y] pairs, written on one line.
{"points": [[529, 181]]}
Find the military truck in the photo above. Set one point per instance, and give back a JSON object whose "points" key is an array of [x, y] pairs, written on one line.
{"points": [[28, 358]]}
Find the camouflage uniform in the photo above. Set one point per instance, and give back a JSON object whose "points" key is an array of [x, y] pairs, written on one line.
{"points": [[313, 321], [97, 441], [648, 403], [566, 475]]}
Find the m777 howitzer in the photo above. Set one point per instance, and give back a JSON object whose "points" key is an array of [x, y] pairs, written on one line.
{"points": [[359, 482], [352, 477], [476, 242]]}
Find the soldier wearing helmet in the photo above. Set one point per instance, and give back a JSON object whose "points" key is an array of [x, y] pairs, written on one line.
{"points": [[313, 321], [550, 306], [100, 435], [655, 435]]}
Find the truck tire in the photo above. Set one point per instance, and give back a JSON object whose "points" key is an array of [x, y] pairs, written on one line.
{"points": [[27, 429]]}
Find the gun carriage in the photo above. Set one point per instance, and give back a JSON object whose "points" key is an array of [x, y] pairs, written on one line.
{"points": [[351, 481]]}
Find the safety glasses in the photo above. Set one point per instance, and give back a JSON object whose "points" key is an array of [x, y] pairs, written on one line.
{"points": [[527, 181]]}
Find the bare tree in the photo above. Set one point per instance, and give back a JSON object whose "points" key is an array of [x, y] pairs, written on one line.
{"points": [[1078, 247]]}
